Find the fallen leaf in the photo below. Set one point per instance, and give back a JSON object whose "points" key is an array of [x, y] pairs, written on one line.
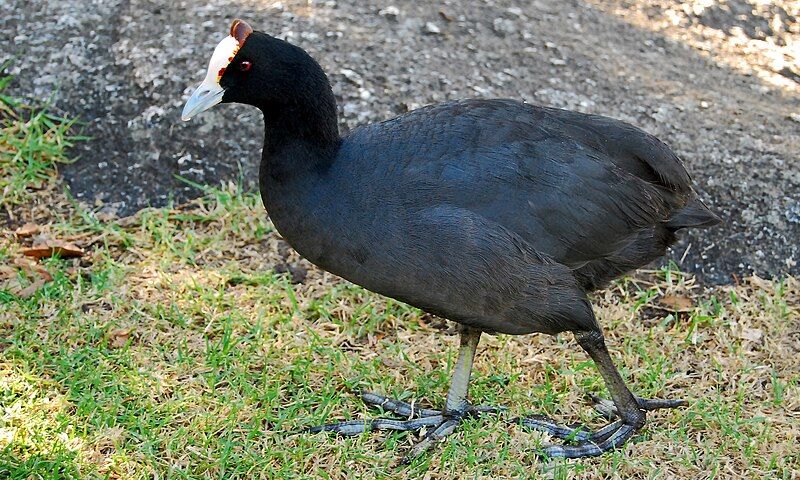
{"points": [[28, 291], [11, 280], [27, 230], [37, 184], [752, 334], [119, 337], [53, 247], [391, 362], [110, 437], [7, 272], [676, 303], [13, 285], [33, 268]]}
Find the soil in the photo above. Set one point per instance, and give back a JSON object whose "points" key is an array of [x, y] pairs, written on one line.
{"points": [[718, 81]]}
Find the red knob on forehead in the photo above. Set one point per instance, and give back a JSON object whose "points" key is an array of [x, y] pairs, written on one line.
{"points": [[240, 30]]}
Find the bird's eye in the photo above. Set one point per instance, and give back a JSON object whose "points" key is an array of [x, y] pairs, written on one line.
{"points": [[245, 66]]}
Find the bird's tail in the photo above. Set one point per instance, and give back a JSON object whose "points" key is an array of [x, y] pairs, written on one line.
{"points": [[694, 215]]}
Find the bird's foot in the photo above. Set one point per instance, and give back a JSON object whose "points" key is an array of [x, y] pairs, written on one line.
{"points": [[581, 441], [438, 424]]}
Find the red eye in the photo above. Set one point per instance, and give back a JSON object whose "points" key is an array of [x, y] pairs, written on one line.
{"points": [[245, 66]]}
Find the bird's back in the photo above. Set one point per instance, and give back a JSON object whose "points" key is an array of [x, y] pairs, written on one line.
{"points": [[577, 187]]}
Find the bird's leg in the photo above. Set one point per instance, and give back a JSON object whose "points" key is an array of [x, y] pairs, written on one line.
{"points": [[441, 423], [629, 409], [632, 418], [456, 405]]}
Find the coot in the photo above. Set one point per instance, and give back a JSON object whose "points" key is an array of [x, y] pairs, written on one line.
{"points": [[496, 214]]}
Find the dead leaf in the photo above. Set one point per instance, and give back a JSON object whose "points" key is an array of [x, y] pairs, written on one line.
{"points": [[13, 285], [119, 337], [391, 362], [53, 247], [28, 291], [752, 334], [676, 303], [11, 280], [108, 438], [39, 184], [33, 268], [7, 272], [27, 230]]}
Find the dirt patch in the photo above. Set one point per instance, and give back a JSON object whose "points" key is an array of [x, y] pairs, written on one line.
{"points": [[717, 82]]}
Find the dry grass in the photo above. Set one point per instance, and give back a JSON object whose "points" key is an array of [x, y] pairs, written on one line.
{"points": [[175, 349]]}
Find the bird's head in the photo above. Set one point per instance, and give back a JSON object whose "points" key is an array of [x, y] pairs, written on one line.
{"points": [[257, 69], [227, 57]]}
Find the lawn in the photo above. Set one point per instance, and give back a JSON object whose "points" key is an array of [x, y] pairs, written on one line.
{"points": [[192, 342]]}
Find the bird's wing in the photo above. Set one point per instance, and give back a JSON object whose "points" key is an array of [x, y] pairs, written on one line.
{"points": [[576, 187], [630, 148]]}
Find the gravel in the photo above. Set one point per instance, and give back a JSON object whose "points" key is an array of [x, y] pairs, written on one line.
{"points": [[716, 81]]}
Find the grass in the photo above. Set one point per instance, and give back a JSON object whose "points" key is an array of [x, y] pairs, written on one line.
{"points": [[175, 349], [32, 143]]}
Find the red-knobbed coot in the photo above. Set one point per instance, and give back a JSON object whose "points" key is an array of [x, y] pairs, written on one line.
{"points": [[496, 214]]}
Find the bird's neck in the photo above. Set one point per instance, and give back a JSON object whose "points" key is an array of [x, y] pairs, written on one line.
{"points": [[301, 131], [301, 141]]}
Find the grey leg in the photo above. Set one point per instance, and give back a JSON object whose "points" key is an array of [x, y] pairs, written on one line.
{"points": [[457, 395], [581, 433], [626, 411], [456, 405]]}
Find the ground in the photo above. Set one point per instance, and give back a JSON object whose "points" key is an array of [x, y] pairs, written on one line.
{"points": [[718, 81], [190, 341]]}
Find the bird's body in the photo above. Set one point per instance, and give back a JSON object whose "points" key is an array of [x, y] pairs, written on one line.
{"points": [[496, 214], [486, 212]]}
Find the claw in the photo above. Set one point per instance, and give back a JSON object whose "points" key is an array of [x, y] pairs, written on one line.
{"points": [[432, 438]]}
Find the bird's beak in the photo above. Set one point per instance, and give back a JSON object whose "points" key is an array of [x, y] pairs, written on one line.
{"points": [[204, 97], [210, 93]]}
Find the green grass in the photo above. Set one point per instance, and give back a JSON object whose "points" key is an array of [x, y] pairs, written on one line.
{"points": [[174, 349], [32, 143]]}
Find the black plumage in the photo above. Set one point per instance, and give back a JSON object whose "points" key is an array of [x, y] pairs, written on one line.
{"points": [[496, 214], [492, 213]]}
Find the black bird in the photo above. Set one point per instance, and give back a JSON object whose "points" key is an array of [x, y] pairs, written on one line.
{"points": [[496, 214]]}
